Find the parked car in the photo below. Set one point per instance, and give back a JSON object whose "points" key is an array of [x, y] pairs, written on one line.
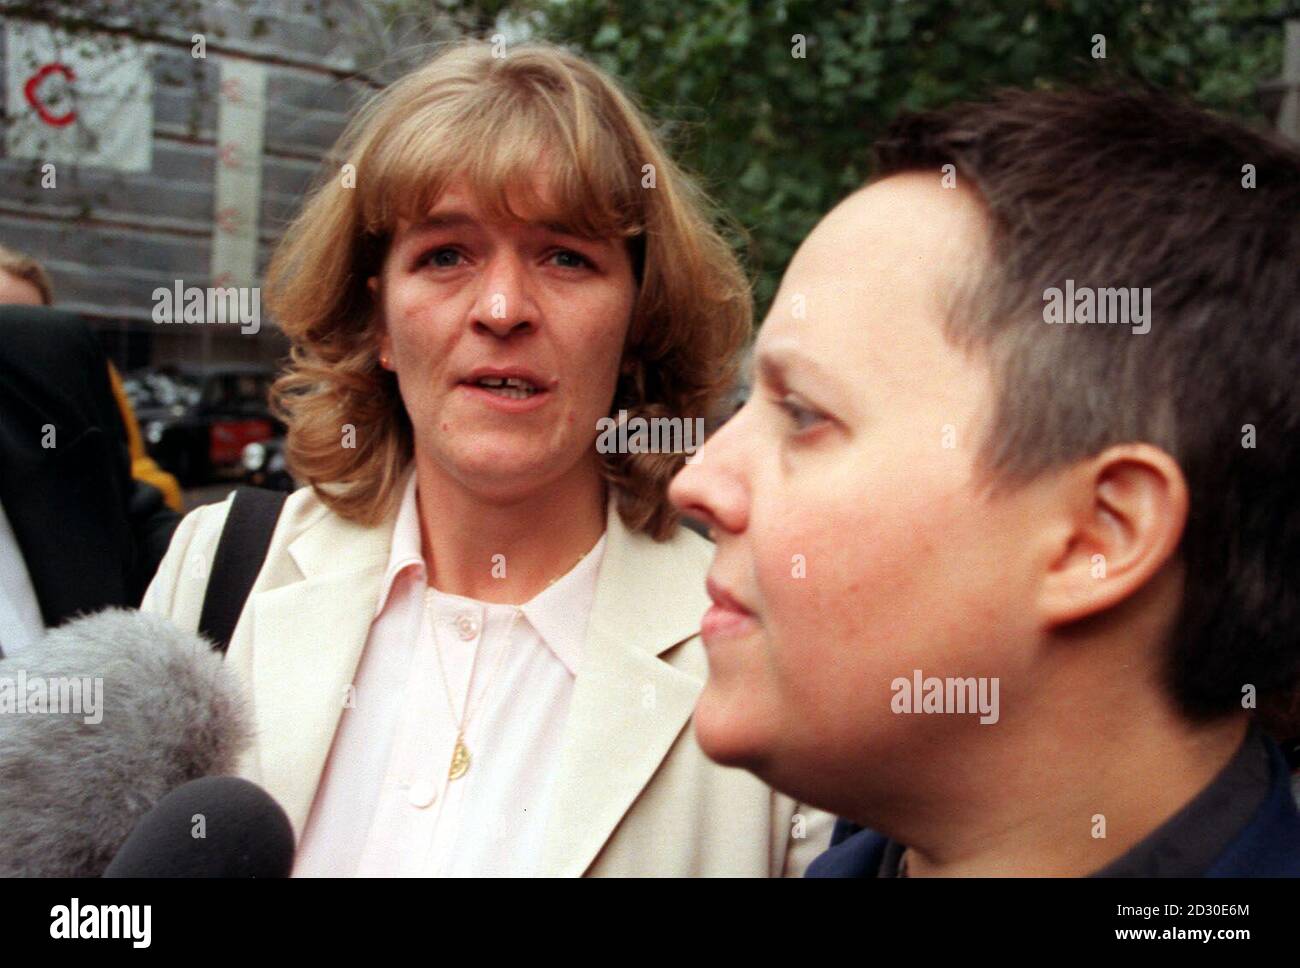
{"points": [[197, 420]]}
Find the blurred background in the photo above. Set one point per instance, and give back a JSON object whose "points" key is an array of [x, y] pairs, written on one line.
{"points": [[163, 140]]}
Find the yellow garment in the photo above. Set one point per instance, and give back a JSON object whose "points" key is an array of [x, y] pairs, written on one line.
{"points": [[143, 467]]}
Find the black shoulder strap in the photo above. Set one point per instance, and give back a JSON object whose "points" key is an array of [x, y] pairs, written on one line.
{"points": [[240, 553]]}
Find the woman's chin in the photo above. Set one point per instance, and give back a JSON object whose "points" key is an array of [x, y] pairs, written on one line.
{"points": [[729, 731], [503, 473]]}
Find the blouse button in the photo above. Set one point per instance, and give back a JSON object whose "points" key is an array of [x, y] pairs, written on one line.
{"points": [[422, 793], [466, 626]]}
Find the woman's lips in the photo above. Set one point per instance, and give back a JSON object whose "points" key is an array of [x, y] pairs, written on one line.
{"points": [[726, 618], [503, 403], [725, 623]]}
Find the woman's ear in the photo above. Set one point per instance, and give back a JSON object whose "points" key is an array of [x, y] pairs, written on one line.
{"points": [[385, 348], [1125, 510]]}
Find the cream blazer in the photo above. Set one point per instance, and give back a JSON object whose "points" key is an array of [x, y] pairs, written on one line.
{"points": [[635, 796]]}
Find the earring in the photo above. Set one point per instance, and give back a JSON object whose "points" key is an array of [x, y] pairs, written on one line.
{"points": [[384, 362]]}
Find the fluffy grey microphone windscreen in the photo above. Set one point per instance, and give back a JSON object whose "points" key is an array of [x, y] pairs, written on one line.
{"points": [[98, 721]]}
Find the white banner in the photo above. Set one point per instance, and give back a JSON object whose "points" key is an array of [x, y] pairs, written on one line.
{"points": [[241, 114], [78, 99]]}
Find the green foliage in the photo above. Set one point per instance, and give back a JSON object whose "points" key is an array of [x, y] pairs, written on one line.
{"points": [[779, 139]]}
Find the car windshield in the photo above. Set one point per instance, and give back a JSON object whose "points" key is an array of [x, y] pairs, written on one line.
{"points": [[237, 392]]}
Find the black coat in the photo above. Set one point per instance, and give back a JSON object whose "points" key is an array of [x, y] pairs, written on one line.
{"points": [[91, 535]]}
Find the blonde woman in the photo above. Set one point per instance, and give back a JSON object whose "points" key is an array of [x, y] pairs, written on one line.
{"points": [[473, 648]]}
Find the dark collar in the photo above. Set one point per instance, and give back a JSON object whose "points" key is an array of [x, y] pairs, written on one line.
{"points": [[1187, 843], [1244, 822]]}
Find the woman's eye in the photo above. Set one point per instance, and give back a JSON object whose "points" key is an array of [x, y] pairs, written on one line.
{"points": [[802, 417], [571, 260], [443, 258]]}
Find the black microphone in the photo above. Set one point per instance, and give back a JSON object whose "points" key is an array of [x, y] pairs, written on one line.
{"points": [[110, 713], [219, 826]]}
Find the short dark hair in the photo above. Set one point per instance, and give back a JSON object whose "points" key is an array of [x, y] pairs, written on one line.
{"points": [[1137, 189]]}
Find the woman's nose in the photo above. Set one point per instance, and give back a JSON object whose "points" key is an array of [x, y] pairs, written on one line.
{"points": [[505, 302], [712, 488]]}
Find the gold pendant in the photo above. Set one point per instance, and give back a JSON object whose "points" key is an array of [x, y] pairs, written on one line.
{"points": [[459, 760]]}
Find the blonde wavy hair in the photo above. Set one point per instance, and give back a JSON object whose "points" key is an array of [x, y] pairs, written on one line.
{"points": [[469, 115]]}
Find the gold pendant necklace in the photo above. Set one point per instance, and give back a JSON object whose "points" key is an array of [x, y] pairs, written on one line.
{"points": [[460, 758]]}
